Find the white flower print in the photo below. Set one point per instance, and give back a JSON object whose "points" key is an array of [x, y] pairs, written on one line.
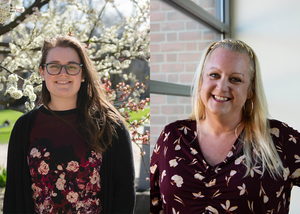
{"points": [[60, 183], [212, 210], [185, 129], [178, 180], [229, 154], [47, 154], [177, 147], [296, 174], [166, 136], [199, 176], [286, 173], [193, 151], [211, 183], [197, 195], [59, 167], [292, 138], [243, 189], [163, 174], [43, 168], [156, 149], [279, 192], [227, 207], [173, 163], [72, 197], [174, 211], [73, 166], [153, 168], [155, 201], [163, 198], [178, 199], [35, 153], [297, 158], [36, 190], [275, 131], [255, 169]]}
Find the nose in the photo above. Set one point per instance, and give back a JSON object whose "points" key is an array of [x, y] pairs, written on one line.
{"points": [[222, 85], [63, 71]]}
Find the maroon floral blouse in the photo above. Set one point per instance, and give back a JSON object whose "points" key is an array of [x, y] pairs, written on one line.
{"points": [[182, 182], [64, 170]]}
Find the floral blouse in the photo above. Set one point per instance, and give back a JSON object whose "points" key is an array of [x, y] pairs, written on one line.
{"points": [[64, 170], [182, 181]]}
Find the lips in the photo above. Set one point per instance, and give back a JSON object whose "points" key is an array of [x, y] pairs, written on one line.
{"points": [[62, 82], [220, 98]]}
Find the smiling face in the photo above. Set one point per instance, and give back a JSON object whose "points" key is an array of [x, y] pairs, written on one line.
{"points": [[63, 85], [225, 83]]}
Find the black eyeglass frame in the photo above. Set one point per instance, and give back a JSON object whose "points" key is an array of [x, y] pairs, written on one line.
{"points": [[61, 66]]}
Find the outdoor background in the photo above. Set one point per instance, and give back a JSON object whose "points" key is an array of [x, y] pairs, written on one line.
{"points": [[270, 27]]}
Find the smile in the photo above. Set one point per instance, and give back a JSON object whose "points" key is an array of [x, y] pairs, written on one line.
{"points": [[219, 98], [62, 82]]}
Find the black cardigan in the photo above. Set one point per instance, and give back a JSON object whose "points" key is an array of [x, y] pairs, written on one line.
{"points": [[117, 171]]}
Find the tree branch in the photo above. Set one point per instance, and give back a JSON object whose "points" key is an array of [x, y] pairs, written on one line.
{"points": [[22, 17]]}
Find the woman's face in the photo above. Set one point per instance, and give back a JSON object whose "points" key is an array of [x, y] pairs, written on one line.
{"points": [[226, 82], [62, 85]]}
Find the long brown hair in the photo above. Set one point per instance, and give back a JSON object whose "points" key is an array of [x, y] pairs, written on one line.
{"points": [[96, 116]]}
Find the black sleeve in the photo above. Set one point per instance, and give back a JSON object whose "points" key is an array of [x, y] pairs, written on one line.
{"points": [[123, 173], [18, 194]]}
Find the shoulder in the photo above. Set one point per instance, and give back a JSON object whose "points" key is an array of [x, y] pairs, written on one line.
{"points": [[283, 131], [178, 124], [27, 118]]}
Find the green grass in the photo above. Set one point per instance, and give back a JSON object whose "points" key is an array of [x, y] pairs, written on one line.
{"points": [[138, 116], [7, 115]]}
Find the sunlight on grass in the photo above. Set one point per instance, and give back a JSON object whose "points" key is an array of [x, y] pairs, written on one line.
{"points": [[12, 116]]}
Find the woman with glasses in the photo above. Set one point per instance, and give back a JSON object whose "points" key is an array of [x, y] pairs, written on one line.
{"points": [[73, 154], [228, 157]]}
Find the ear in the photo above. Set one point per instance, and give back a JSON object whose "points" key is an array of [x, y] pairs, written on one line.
{"points": [[42, 73], [250, 94]]}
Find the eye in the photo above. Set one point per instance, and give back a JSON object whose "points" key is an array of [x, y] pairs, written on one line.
{"points": [[214, 75], [54, 66], [235, 79]]}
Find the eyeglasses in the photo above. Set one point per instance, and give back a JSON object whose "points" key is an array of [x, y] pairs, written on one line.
{"points": [[55, 69]]}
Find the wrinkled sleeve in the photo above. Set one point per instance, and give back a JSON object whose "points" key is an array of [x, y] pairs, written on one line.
{"points": [[155, 199], [123, 174]]}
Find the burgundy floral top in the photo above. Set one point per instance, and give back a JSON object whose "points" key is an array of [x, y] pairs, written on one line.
{"points": [[182, 181], [64, 170]]}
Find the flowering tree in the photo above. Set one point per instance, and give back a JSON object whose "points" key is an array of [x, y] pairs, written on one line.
{"points": [[112, 47]]}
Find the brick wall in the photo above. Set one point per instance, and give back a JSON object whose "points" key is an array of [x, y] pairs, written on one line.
{"points": [[177, 42]]}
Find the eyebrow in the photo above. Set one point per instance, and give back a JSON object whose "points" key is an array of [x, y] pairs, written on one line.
{"points": [[55, 61], [219, 70]]}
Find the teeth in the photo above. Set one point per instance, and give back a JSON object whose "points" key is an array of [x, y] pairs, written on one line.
{"points": [[62, 82], [221, 98]]}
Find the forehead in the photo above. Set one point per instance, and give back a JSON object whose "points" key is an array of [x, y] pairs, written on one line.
{"points": [[63, 54], [227, 60]]}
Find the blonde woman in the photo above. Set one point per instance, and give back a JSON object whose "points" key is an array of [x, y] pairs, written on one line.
{"points": [[228, 157]]}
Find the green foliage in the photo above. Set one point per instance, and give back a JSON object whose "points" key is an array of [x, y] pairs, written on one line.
{"points": [[12, 116], [2, 177], [138, 116]]}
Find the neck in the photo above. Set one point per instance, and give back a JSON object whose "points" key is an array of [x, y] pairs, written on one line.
{"points": [[217, 126], [58, 104]]}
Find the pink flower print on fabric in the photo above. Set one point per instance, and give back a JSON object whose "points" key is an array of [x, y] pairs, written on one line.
{"points": [[73, 166], [44, 168], [72, 197], [35, 153]]}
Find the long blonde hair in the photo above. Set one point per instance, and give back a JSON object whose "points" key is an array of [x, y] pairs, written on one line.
{"points": [[258, 147]]}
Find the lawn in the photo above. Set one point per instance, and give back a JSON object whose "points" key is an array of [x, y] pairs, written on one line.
{"points": [[12, 116]]}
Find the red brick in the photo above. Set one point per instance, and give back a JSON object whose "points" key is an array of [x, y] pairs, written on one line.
{"points": [[191, 25], [182, 16], [189, 36], [171, 16], [209, 35], [169, 110], [170, 68], [188, 109], [158, 77], [155, 130], [189, 57], [171, 57], [157, 99], [174, 26], [187, 78], [154, 110], [154, 69], [185, 100], [169, 47], [166, 7], [157, 37], [172, 100], [159, 120], [171, 36], [154, 6], [156, 58], [154, 48], [191, 67], [192, 46], [173, 78], [156, 17], [154, 27]]}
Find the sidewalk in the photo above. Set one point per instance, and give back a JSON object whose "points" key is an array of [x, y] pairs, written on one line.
{"points": [[3, 154]]}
